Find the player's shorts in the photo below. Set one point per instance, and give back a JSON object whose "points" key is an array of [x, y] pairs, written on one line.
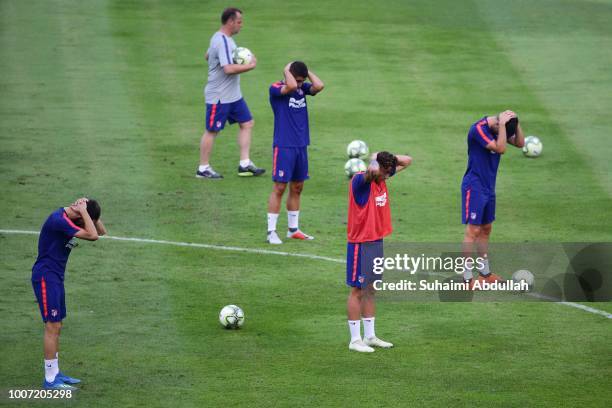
{"points": [[289, 164], [478, 207], [219, 113], [360, 263], [51, 299]]}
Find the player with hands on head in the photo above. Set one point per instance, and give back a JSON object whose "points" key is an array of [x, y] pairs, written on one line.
{"points": [[487, 140], [369, 221], [57, 238], [290, 145]]}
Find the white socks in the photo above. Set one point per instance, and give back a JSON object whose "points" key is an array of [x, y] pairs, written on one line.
{"points": [[292, 219], [51, 369], [272, 218], [355, 329], [485, 269], [245, 163], [368, 327], [203, 167]]}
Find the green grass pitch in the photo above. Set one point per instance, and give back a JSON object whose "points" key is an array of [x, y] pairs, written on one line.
{"points": [[105, 98]]}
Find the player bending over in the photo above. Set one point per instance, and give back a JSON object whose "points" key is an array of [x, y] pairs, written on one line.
{"points": [[487, 140], [369, 221], [290, 146], [57, 238]]}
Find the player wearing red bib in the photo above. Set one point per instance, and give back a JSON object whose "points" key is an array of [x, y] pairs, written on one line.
{"points": [[369, 221]]}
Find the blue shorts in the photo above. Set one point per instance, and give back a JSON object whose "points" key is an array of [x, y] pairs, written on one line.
{"points": [[219, 113], [478, 207], [289, 164], [51, 299], [360, 263]]}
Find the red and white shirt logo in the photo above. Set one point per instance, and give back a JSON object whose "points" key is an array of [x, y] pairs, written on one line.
{"points": [[381, 200]]}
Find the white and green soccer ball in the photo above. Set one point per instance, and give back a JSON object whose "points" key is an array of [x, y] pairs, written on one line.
{"points": [[242, 55], [231, 317], [358, 149], [523, 275], [354, 166], [533, 146]]}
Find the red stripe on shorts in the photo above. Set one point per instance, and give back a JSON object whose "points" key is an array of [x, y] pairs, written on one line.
{"points": [[467, 204], [274, 161], [355, 256], [212, 116], [44, 296]]}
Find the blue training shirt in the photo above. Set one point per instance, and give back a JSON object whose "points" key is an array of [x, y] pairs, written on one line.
{"points": [[361, 189], [482, 165], [290, 116], [54, 245]]}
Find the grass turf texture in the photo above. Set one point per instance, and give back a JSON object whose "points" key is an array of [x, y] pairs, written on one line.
{"points": [[104, 98]]}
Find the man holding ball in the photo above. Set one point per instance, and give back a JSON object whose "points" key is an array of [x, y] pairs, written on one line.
{"points": [[224, 101]]}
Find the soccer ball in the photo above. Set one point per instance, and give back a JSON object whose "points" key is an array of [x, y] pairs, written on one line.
{"points": [[231, 317], [523, 275], [242, 56], [353, 166], [533, 146], [357, 148]]}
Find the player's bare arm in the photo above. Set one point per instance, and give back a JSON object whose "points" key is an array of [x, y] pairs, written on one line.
{"points": [[100, 228], [373, 171], [403, 161], [89, 233], [317, 84], [499, 145], [233, 69], [290, 82]]}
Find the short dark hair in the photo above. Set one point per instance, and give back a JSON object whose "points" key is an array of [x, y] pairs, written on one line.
{"points": [[511, 127], [93, 209], [299, 69], [387, 161], [229, 13]]}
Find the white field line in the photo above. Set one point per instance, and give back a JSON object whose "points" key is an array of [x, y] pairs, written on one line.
{"points": [[280, 253], [571, 304]]}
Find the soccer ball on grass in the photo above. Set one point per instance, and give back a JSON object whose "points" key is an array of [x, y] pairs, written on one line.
{"points": [[523, 275], [231, 317], [354, 166], [357, 149], [533, 146]]}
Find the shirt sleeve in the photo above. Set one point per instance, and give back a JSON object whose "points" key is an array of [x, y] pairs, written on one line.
{"points": [[66, 226], [222, 46], [275, 89], [481, 134], [306, 88], [361, 189]]}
